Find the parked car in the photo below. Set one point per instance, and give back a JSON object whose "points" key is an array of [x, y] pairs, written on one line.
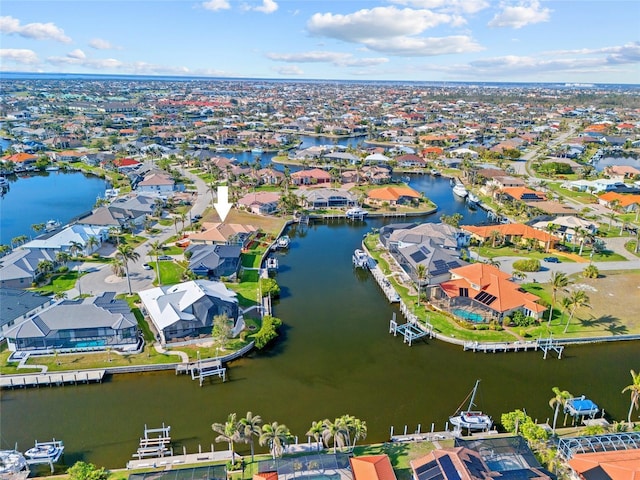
{"points": [[197, 217], [146, 266], [165, 257], [551, 260]]}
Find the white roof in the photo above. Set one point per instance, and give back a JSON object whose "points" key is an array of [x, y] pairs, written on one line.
{"points": [[377, 157], [59, 240]]}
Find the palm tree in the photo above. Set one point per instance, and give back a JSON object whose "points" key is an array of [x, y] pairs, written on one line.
{"points": [[75, 248], [45, 267], [92, 242], [560, 399], [38, 227], [248, 427], [575, 300], [276, 436], [155, 248], [117, 266], [421, 273], [634, 389], [316, 432], [335, 432], [127, 253], [559, 282], [357, 431], [62, 257], [115, 232], [228, 432]]}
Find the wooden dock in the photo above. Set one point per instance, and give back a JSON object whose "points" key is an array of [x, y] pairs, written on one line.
{"points": [[501, 346], [410, 331], [51, 379], [202, 369]]}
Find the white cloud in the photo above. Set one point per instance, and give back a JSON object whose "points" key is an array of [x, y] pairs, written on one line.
{"points": [[335, 58], [77, 53], [216, 5], [376, 23], [425, 47], [100, 44], [289, 70], [23, 56], [521, 15], [458, 6], [36, 31], [268, 6]]}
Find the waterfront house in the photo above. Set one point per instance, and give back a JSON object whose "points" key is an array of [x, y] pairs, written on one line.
{"points": [[214, 261], [157, 183], [103, 217], [522, 193], [16, 306], [372, 467], [314, 176], [319, 198], [85, 324], [19, 269], [63, 239], [480, 292], [394, 196], [187, 309], [224, 234], [260, 203], [395, 236]]}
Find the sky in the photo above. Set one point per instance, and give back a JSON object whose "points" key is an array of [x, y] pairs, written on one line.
{"points": [[578, 41]]}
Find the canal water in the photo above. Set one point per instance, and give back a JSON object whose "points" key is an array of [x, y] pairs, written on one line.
{"points": [[40, 197], [334, 356]]}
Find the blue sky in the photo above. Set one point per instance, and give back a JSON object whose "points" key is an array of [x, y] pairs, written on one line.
{"points": [[580, 41]]}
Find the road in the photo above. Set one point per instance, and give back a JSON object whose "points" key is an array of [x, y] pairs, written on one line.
{"points": [[98, 277]]}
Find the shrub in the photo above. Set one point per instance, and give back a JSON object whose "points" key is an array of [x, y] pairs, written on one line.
{"points": [[521, 320], [591, 272], [270, 287], [267, 332], [528, 265], [63, 269], [86, 471]]}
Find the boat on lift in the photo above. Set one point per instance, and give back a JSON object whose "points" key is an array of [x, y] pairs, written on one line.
{"points": [[360, 259], [460, 190], [355, 212], [45, 451], [471, 419], [283, 242]]}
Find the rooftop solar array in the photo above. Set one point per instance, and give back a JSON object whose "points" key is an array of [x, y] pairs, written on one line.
{"points": [[429, 471], [486, 298], [442, 267], [449, 468]]}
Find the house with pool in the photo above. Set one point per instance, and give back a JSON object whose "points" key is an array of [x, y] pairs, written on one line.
{"points": [[92, 323]]}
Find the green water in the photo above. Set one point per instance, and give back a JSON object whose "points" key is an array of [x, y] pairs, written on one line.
{"points": [[334, 356]]}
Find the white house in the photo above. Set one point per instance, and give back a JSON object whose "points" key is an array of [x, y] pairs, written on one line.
{"points": [[156, 183]]}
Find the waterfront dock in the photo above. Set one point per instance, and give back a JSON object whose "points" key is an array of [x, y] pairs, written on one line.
{"points": [[385, 285], [202, 369], [51, 379]]}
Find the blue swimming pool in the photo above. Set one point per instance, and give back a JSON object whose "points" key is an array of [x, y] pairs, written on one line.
{"points": [[472, 317], [94, 343]]}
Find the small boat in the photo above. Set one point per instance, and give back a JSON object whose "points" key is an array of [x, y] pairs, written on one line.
{"points": [[13, 464], [473, 199], [435, 173], [52, 225], [283, 242], [406, 179], [272, 263], [360, 259], [581, 407], [471, 419], [46, 451], [460, 190], [355, 212], [52, 168], [257, 151]]}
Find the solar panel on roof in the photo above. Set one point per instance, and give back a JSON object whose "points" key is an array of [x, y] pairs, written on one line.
{"points": [[417, 256], [486, 298], [449, 469], [429, 471]]}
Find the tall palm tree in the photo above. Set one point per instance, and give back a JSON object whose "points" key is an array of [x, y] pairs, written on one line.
{"points": [[127, 253], [62, 257], [228, 432], [276, 436], [92, 242], [421, 273], [316, 432], [575, 300], [75, 248], [559, 400], [335, 432], [559, 282], [634, 389], [155, 248], [117, 266], [248, 427], [357, 430]]}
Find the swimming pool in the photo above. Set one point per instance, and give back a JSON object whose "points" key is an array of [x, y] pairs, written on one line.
{"points": [[472, 317]]}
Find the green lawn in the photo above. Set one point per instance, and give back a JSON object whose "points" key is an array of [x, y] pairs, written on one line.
{"points": [[170, 271], [59, 283], [247, 289]]}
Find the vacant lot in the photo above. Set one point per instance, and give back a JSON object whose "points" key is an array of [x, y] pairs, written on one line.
{"points": [[615, 303]]}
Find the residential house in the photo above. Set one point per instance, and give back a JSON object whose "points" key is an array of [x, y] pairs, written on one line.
{"points": [[214, 261], [22, 161], [135, 208], [410, 160], [17, 305], [188, 309], [568, 227], [319, 198], [314, 176], [86, 324], [372, 467], [482, 293], [515, 233], [376, 175], [396, 236], [260, 203], [62, 240], [626, 203], [223, 234], [394, 196], [103, 217], [269, 176], [523, 194], [620, 172], [70, 156], [19, 269], [156, 183], [124, 165]]}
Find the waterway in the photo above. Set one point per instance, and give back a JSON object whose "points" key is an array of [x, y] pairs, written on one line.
{"points": [[40, 197], [334, 356]]}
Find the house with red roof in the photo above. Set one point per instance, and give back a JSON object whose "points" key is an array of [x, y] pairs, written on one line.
{"points": [[481, 293], [515, 233], [314, 176], [126, 164], [372, 467], [393, 195]]}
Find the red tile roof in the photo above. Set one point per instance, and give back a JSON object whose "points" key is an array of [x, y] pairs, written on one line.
{"points": [[374, 467]]}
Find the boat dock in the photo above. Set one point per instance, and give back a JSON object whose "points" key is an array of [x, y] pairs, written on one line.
{"points": [[545, 344], [51, 379], [168, 461], [202, 369], [155, 443], [410, 331], [385, 285], [45, 453]]}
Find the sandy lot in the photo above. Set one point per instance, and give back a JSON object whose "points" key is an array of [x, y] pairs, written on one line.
{"points": [[615, 302]]}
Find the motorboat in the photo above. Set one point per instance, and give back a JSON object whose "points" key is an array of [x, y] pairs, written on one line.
{"points": [[360, 258], [460, 190], [471, 419], [45, 451], [52, 168], [272, 263], [257, 151], [13, 464], [4, 182], [435, 172], [473, 199], [283, 242], [52, 225], [356, 212]]}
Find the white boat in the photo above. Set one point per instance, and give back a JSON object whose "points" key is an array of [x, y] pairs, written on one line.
{"points": [[460, 190], [356, 212], [272, 263], [435, 173], [13, 464], [257, 151], [52, 168], [45, 451], [360, 259], [473, 199], [52, 225], [283, 242], [471, 419]]}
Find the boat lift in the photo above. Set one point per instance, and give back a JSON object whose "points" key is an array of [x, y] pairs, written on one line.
{"points": [[45, 452]]}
